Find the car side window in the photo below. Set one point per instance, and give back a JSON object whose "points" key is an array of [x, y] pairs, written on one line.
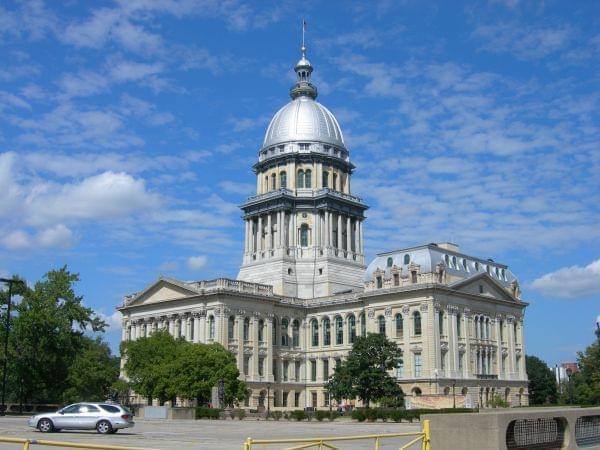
{"points": [[88, 408], [73, 409], [110, 408]]}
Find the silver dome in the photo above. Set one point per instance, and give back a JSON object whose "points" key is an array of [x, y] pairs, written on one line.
{"points": [[304, 119]]}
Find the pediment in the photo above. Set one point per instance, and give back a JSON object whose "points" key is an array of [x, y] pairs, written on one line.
{"points": [[162, 290], [483, 282]]}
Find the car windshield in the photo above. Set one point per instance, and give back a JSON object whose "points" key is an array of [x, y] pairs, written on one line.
{"points": [[110, 408]]}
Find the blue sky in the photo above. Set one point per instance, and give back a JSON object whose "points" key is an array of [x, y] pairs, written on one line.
{"points": [[127, 132]]}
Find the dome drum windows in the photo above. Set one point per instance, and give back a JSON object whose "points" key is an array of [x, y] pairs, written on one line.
{"points": [[326, 331], [304, 179]]}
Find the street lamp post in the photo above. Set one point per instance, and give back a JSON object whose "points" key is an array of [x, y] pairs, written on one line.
{"points": [[268, 399], [569, 387], [453, 394], [10, 282]]}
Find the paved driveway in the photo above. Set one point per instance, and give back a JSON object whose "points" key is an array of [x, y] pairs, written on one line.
{"points": [[209, 434]]}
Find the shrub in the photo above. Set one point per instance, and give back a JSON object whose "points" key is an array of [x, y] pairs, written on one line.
{"points": [[371, 414], [333, 415], [382, 414], [359, 414], [241, 414], [320, 415], [286, 415], [298, 415], [204, 412], [276, 415], [397, 415]]}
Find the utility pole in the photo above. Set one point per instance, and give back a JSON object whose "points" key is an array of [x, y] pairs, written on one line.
{"points": [[10, 282]]}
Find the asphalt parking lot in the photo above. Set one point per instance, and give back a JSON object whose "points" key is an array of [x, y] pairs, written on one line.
{"points": [[207, 434]]}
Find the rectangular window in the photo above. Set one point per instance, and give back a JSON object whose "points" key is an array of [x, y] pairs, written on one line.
{"points": [[325, 398], [443, 361], [285, 370], [261, 366], [396, 279], [460, 362], [338, 362], [400, 369], [313, 370], [417, 364], [297, 370], [284, 400], [296, 399], [413, 276], [246, 365], [275, 369], [314, 399], [379, 282], [325, 369]]}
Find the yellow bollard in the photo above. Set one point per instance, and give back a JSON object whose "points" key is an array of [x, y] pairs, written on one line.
{"points": [[377, 444], [26, 445], [248, 444], [426, 435]]}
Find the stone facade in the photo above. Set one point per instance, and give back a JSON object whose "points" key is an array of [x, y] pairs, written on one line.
{"points": [[303, 293]]}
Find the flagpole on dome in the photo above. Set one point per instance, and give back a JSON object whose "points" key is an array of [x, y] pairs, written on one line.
{"points": [[303, 48]]}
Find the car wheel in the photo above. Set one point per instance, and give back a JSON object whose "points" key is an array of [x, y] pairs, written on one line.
{"points": [[45, 426], [104, 427]]}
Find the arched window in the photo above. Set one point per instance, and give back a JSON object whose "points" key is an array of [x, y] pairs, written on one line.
{"points": [[266, 187], [390, 262], [447, 260], [476, 266], [407, 259], [464, 263], [283, 180], [363, 325], [454, 263], [261, 331], [325, 180], [339, 330], [300, 179], [334, 184], [284, 333], [417, 323], [326, 331], [308, 178], [314, 332], [246, 329], [273, 182], [501, 326], [275, 334], [304, 235], [296, 333], [351, 328], [231, 327], [399, 326], [381, 324], [458, 325], [211, 327], [441, 322]]}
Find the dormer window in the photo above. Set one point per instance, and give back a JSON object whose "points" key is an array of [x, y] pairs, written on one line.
{"points": [[476, 266], [390, 262], [454, 264], [304, 146], [379, 282], [464, 264], [447, 260], [407, 259]]}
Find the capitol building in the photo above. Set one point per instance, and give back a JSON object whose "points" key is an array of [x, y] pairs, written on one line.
{"points": [[304, 292]]}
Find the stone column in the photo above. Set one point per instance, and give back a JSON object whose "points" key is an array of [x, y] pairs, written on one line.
{"points": [[437, 353], [259, 246], [511, 348], [316, 234], [246, 236], [280, 229], [124, 325], [268, 367], [498, 349], [348, 234], [172, 325], [453, 338], [190, 324], [269, 232], [240, 342], [339, 232], [255, 350], [327, 232], [360, 237]]}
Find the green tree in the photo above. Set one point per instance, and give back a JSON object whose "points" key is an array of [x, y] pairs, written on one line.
{"points": [[162, 367], [46, 336], [148, 364], [364, 374], [587, 381], [92, 372], [542, 384]]}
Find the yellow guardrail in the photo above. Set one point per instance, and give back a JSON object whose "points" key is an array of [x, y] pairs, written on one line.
{"points": [[27, 442], [422, 436]]}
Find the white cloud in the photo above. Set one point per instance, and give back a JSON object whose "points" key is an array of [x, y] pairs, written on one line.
{"points": [[113, 321], [570, 282], [56, 236], [108, 195], [17, 240], [197, 262], [521, 40]]}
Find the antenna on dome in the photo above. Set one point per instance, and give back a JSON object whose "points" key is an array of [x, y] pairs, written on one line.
{"points": [[303, 48]]}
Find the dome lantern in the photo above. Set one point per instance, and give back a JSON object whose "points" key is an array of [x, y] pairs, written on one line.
{"points": [[303, 69]]}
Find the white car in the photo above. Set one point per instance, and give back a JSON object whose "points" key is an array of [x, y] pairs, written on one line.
{"points": [[104, 417]]}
